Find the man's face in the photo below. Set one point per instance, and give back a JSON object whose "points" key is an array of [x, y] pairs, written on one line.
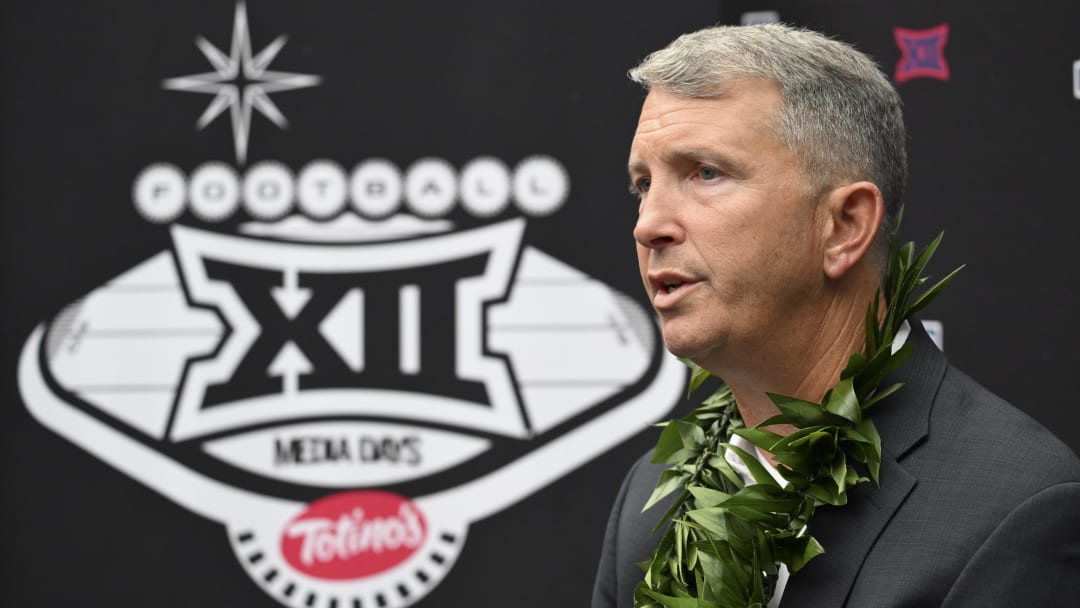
{"points": [[728, 240]]}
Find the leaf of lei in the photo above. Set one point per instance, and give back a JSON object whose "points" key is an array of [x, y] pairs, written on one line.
{"points": [[724, 541]]}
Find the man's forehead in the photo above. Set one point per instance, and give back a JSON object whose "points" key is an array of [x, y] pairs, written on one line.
{"points": [[662, 108], [753, 103]]}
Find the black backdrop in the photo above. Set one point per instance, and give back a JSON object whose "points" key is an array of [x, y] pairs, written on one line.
{"points": [[994, 156]]}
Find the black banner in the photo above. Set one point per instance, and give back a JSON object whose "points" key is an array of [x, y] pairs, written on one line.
{"points": [[334, 303]]}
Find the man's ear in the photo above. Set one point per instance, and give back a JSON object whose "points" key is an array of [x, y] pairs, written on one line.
{"points": [[854, 213]]}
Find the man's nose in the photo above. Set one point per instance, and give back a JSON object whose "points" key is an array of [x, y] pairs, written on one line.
{"points": [[658, 223]]}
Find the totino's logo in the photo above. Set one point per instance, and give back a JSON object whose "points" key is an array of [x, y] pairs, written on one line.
{"points": [[345, 378], [353, 535]]}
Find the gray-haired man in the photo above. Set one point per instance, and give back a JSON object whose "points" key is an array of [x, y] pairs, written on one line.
{"points": [[769, 162]]}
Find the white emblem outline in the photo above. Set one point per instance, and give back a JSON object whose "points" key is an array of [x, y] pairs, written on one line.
{"points": [[453, 509]]}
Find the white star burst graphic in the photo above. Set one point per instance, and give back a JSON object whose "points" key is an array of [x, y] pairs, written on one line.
{"points": [[240, 96]]}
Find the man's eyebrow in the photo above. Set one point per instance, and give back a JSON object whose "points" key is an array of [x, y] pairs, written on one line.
{"points": [[686, 156], [707, 156], [636, 166]]}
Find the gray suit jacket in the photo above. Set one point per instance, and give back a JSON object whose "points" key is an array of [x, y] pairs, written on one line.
{"points": [[979, 505]]}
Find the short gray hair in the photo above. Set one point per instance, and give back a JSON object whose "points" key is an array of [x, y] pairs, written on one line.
{"points": [[839, 113]]}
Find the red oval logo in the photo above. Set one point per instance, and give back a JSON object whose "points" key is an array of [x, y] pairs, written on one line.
{"points": [[353, 534]]}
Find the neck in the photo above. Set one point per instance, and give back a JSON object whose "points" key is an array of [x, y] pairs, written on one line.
{"points": [[808, 365]]}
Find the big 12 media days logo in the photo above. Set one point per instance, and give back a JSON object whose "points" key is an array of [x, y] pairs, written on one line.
{"points": [[348, 382]]}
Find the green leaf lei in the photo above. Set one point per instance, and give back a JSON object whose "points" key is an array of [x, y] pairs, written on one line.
{"points": [[726, 540]]}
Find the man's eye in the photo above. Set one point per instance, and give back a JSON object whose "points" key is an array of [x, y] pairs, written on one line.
{"points": [[708, 173], [643, 184]]}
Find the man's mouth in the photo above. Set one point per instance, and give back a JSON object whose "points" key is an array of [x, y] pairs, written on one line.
{"points": [[668, 281], [670, 286]]}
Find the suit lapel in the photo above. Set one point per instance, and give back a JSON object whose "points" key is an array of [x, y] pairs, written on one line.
{"points": [[849, 532], [903, 419]]}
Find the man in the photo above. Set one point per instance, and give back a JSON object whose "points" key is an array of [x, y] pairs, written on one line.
{"points": [[770, 164]]}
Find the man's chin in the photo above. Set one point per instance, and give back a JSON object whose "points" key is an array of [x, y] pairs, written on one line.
{"points": [[687, 349], [692, 344]]}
